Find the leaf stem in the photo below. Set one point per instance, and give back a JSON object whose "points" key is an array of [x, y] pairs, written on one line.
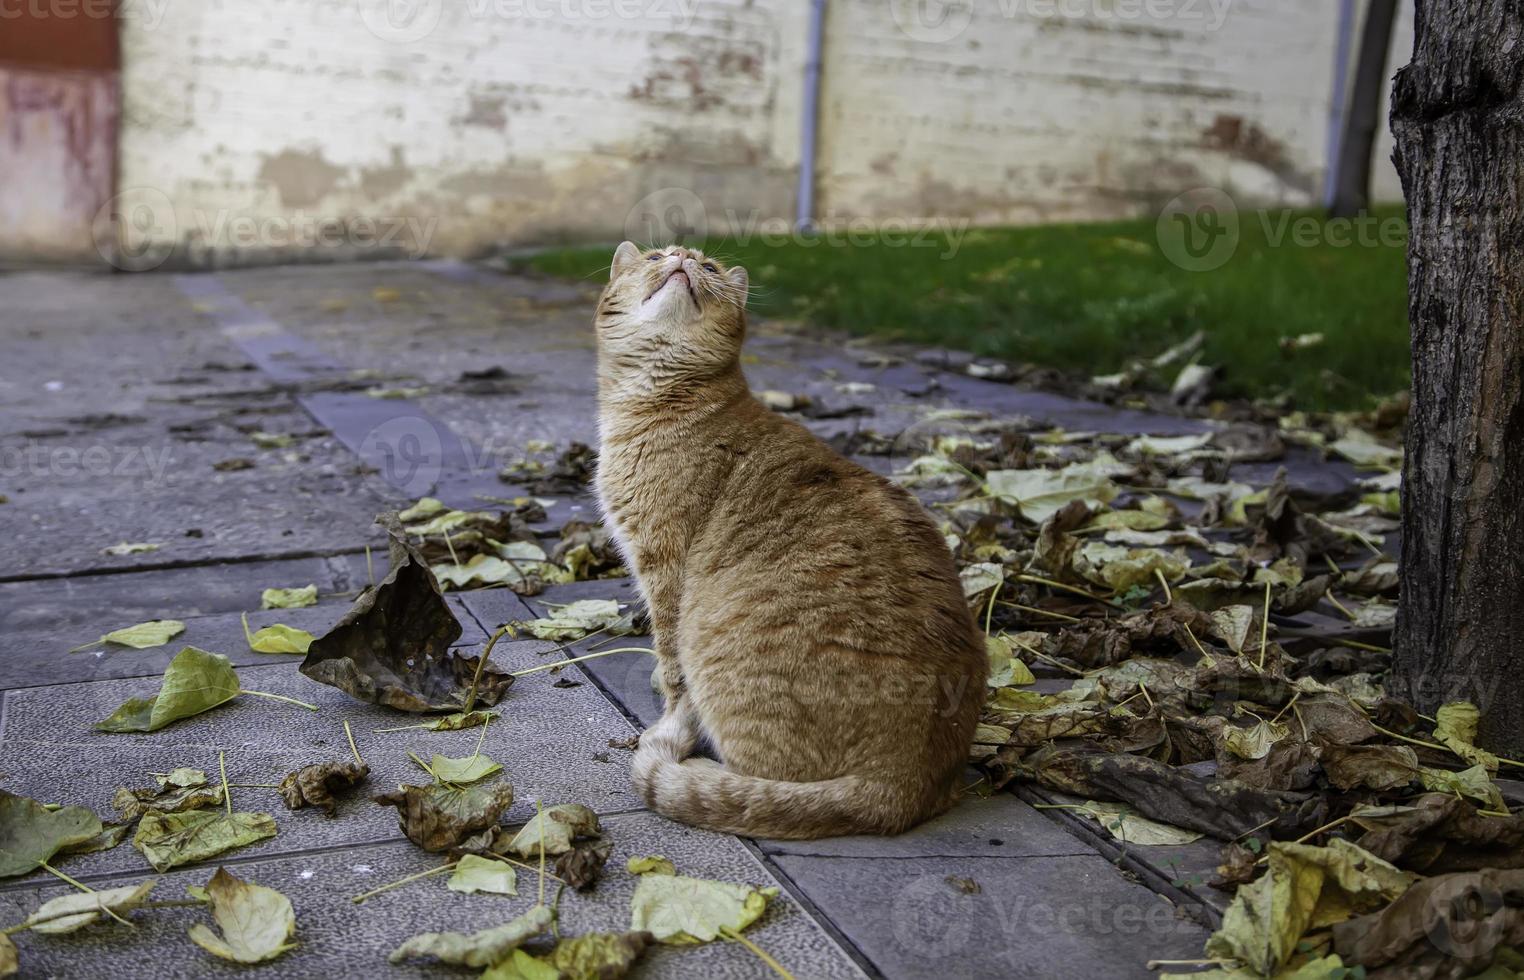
{"points": [[1042, 612], [589, 656], [1436, 745], [1264, 628], [482, 663], [539, 812], [758, 951], [989, 610], [402, 881], [227, 794], [351, 735], [1169, 597], [281, 697], [63, 877]]}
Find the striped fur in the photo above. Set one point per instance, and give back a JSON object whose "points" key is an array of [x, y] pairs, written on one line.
{"points": [[809, 623]]}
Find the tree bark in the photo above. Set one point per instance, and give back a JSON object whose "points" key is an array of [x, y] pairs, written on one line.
{"points": [[1459, 123], [1352, 184]]}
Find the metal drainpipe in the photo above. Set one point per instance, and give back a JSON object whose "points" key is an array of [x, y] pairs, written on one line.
{"points": [[1337, 104], [804, 214]]}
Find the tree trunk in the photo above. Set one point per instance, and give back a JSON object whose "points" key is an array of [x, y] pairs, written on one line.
{"points": [[1459, 122], [1352, 183]]}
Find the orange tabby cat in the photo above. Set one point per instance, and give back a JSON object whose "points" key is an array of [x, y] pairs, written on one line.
{"points": [[808, 618]]}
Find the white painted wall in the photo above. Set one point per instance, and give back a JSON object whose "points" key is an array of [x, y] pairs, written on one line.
{"points": [[255, 127]]}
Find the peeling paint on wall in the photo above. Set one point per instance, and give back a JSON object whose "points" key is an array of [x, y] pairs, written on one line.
{"points": [[57, 147]]}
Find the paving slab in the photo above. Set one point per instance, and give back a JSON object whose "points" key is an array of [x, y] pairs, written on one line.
{"points": [[982, 917], [336, 937]]}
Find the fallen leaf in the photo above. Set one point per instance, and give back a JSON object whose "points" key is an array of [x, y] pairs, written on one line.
{"points": [[478, 949], [437, 817], [1125, 825], [1038, 493], [143, 636], [653, 864], [467, 769], [1449, 926], [393, 646], [521, 966], [271, 440], [317, 784], [169, 798], [168, 840], [682, 911], [111, 836], [459, 721], [480, 874], [1376, 767], [256, 922], [31, 834], [1456, 730], [558, 826], [288, 598], [1253, 741], [131, 548], [1474, 784], [180, 776], [582, 866], [90, 906], [1440, 833], [598, 955], [1304, 888], [576, 620], [9, 961], [1222, 808], [195, 681], [277, 638]]}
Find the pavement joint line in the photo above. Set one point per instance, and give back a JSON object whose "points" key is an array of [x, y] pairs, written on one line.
{"points": [[353, 417], [238, 859], [813, 911], [1114, 851], [176, 565]]}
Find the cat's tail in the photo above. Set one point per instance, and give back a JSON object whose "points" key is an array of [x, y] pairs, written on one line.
{"points": [[702, 793]]}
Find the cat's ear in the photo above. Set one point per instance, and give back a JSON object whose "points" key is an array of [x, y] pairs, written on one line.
{"points": [[739, 279], [625, 256]]}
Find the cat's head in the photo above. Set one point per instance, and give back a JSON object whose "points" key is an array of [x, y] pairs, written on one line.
{"points": [[673, 309]]}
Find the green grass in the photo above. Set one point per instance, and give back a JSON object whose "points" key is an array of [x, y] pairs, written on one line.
{"points": [[1088, 298]]}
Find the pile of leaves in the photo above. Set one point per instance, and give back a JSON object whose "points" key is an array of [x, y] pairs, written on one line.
{"points": [[1178, 654], [469, 549]]}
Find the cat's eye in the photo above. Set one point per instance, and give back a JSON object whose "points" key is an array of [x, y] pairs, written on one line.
{"points": [[710, 267], [653, 257]]}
